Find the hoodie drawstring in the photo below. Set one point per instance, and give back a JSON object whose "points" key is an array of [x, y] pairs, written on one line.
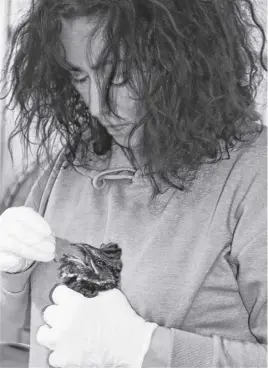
{"points": [[99, 181]]}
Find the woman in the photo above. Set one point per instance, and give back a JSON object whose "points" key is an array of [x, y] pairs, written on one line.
{"points": [[163, 154]]}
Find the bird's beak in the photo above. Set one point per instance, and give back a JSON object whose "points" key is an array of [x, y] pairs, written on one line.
{"points": [[56, 258]]}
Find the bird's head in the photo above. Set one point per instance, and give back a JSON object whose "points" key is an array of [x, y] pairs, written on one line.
{"points": [[95, 269]]}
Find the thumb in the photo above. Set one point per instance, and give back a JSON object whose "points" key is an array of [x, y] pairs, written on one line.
{"points": [[12, 263]]}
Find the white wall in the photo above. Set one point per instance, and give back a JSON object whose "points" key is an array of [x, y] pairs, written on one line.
{"points": [[9, 14], [262, 8], [3, 40]]}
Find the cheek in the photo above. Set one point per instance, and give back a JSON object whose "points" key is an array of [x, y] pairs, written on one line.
{"points": [[83, 92], [127, 106]]}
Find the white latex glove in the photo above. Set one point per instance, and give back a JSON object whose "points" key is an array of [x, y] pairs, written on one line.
{"points": [[25, 237], [103, 331]]}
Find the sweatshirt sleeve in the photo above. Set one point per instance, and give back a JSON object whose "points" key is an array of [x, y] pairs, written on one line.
{"points": [[14, 295], [178, 348], [30, 189]]}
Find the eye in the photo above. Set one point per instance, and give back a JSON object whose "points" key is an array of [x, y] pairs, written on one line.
{"points": [[79, 80], [120, 77], [101, 263], [120, 82]]}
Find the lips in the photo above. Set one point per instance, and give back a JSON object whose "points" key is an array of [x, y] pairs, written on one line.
{"points": [[116, 126]]}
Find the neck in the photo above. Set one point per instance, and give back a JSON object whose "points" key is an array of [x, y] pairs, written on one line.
{"points": [[139, 160]]}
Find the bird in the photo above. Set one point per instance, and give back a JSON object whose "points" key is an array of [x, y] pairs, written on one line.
{"points": [[93, 270]]}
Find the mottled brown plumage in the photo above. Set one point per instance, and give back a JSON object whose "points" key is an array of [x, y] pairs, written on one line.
{"points": [[95, 270]]}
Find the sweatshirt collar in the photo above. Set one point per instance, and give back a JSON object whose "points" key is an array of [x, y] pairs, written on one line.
{"points": [[115, 167]]}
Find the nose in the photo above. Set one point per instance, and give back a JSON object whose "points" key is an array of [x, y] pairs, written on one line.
{"points": [[92, 97], [95, 100]]}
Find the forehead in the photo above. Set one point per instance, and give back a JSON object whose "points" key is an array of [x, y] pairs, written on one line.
{"points": [[82, 40]]}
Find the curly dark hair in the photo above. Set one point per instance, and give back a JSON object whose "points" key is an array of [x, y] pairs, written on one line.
{"points": [[199, 99]]}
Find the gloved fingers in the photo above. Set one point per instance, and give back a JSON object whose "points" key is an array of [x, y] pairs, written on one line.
{"points": [[60, 360], [47, 337], [21, 249], [65, 296], [9, 261], [55, 361], [112, 294], [52, 315], [67, 357], [30, 220], [26, 233]]}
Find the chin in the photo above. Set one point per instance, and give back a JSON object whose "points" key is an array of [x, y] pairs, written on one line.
{"points": [[123, 141]]}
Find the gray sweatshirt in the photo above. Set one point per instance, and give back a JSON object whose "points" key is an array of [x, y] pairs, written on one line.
{"points": [[193, 262]]}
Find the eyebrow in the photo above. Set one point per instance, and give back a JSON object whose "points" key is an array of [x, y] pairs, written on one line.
{"points": [[77, 69]]}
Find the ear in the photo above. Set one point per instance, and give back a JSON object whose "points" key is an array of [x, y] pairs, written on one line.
{"points": [[111, 250]]}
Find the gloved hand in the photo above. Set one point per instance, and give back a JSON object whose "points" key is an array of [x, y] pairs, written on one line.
{"points": [[25, 237], [103, 331]]}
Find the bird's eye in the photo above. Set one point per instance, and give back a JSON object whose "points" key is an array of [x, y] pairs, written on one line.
{"points": [[100, 263]]}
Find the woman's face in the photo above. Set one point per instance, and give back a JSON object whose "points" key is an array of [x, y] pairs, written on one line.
{"points": [[75, 35]]}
